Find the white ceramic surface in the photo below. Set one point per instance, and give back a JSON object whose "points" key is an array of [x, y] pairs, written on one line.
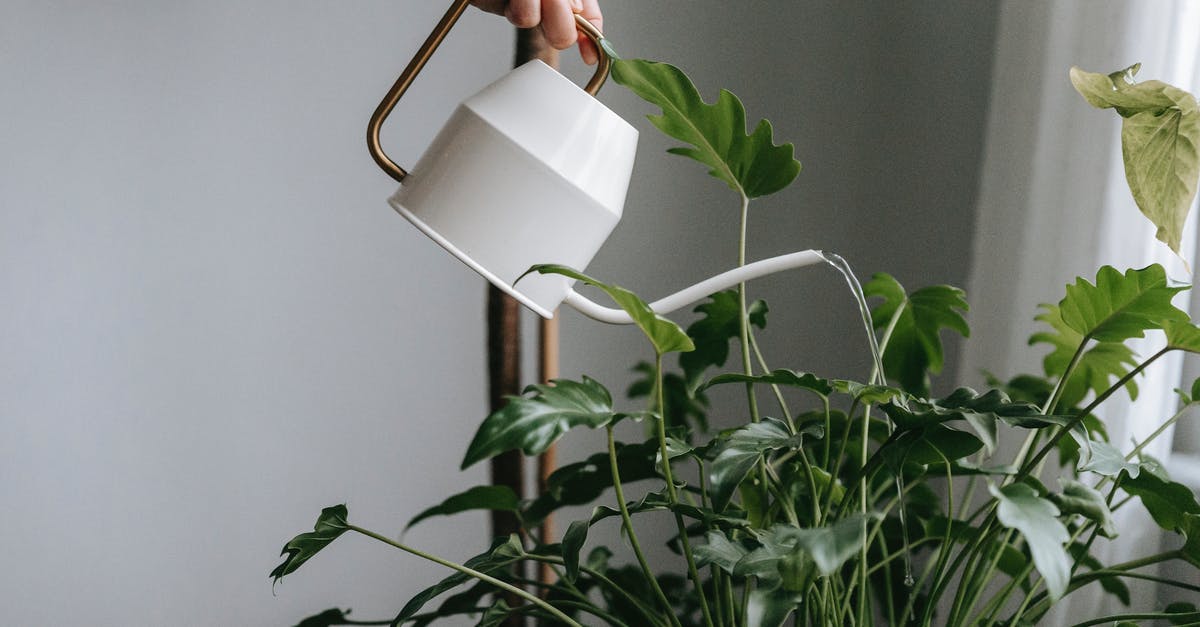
{"points": [[530, 170]]}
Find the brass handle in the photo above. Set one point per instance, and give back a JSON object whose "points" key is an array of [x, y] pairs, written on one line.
{"points": [[418, 62]]}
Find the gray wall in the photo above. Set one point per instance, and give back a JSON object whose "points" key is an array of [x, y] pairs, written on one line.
{"points": [[213, 325]]}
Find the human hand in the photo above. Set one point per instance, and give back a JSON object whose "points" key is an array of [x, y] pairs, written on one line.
{"points": [[556, 18]]}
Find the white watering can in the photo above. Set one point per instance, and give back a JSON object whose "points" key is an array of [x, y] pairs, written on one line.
{"points": [[531, 170]]}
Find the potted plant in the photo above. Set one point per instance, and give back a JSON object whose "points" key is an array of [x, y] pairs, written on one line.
{"points": [[871, 501]]}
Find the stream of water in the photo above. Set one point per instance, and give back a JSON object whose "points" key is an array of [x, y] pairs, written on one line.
{"points": [[878, 378]]}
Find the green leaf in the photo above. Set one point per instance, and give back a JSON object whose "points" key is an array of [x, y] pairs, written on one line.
{"points": [[504, 552], [1097, 369], [981, 411], [770, 608], [495, 615], [1190, 551], [1109, 461], [719, 324], [583, 482], [1168, 502], [490, 497], [1160, 143], [572, 543], [1184, 336], [1187, 611], [331, 523], [741, 452], [750, 164], [539, 418], [719, 551], [1120, 306], [829, 547], [1078, 498], [914, 350], [933, 444], [1036, 519], [791, 378], [867, 393], [666, 336]]}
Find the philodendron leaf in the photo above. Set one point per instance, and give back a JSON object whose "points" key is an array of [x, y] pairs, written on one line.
{"points": [[572, 543], [1036, 519], [829, 547], [666, 336], [1191, 530], [750, 164], [719, 324], [741, 452], [1120, 306], [1184, 336], [583, 482], [541, 416], [790, 378], [719, 551], [330, 524], [1108, 460], [1096, 369], [1078, 498], [1160, 143], [914, 349], [981, 411], [490, 497], [930, 445], [771, 607], [1168, 502]]}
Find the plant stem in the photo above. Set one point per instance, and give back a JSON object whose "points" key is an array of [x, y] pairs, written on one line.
{"points": [[606, 582], [470, 572], [628, 522], [1190, 616], [674, 498], [1049, 445]]}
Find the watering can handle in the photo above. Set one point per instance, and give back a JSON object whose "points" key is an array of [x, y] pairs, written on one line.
{"points": [[426, 50]]}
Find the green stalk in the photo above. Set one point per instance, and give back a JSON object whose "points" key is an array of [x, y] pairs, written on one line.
{"points": [[628, 522], [606, 582], [744, 337], [674, 498], [472, 573], [1049, 446], [1191, 616], [1041, 603]]}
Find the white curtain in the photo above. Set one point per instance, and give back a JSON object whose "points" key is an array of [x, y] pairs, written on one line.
{"points": [[1053, 204]]}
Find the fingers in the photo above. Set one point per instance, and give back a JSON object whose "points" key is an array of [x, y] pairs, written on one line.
{"points": [[558, 23], [587, 50], [524, 13], [556, 19]]}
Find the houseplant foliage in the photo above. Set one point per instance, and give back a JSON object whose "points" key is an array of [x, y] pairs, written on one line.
{"points": [[863, 502]]}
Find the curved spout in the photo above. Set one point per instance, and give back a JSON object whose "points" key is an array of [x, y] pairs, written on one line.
{"points": [[698, 291]]}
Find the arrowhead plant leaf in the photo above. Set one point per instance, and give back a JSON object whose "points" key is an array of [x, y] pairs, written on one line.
{"points": [[537, 419], [1160, 143], [750, 164]]}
